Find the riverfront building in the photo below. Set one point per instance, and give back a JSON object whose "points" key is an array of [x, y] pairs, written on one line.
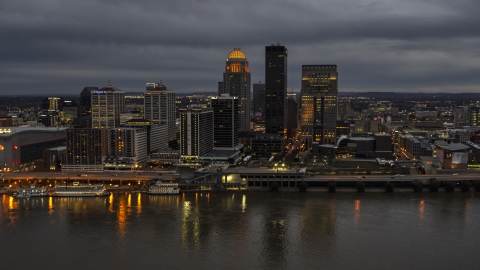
{"points": [[275, 89], [127, 148], [236, 82], [267, 144], [86, 149], [196, 132], [319, 103], [20, 146]]}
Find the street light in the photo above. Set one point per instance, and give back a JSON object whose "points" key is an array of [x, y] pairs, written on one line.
{"points": [[357, 168]]}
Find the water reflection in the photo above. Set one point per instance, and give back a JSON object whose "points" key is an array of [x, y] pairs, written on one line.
{"points": [[421, 212], [356, 217], [122, 217], [244, 203], [50, 205], [139, 203]]}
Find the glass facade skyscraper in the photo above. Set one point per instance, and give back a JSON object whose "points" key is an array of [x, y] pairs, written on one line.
{"points": [[319, 103]]}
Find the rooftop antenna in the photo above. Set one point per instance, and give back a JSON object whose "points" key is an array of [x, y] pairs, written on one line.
{"points": [[109, 84]]}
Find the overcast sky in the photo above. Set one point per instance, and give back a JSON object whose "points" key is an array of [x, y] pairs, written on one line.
{"points": [[60, 46]]}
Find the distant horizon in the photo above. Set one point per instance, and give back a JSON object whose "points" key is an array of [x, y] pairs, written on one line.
{"points": [[214, 92]]}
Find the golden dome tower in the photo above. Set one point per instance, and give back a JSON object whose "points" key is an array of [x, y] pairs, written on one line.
{"points": [[236, 61], [236, 82]]}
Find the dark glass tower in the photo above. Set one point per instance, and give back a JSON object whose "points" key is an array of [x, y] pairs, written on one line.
{"points": [[275, 89], [225, 119]]}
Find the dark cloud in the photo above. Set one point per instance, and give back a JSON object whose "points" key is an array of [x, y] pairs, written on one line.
{"points": [[57, 47]]}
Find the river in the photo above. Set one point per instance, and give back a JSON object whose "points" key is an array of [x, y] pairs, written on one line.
{"points": [[250, 230]]}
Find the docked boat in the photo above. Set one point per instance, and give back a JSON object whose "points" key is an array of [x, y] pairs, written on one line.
{"points": [[164, 188], [80, 190], [31, 191]]}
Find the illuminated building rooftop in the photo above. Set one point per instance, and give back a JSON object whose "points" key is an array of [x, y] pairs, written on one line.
{"points": [[236, 53]]}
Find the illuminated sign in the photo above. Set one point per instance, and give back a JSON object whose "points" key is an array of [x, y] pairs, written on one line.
{"points": [[99, 92]]}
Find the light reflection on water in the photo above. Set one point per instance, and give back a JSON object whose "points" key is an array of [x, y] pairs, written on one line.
{"points": [[244, 230]]}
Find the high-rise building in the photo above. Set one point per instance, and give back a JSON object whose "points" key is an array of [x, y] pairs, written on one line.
{"points": [[236, 82], [107, 104], [319, 103], [196, 131], [160, 106], [275, 89], [127, 148], [156, 133], [225, 119], [259, 101]]}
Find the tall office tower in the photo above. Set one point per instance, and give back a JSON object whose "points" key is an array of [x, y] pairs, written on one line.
{"points": [[259, 101], [84, 117], [196, 131], [86, 148], [275, 89], [160, 106], [319, 103], [225, 119], [107, 104], [236, 82]]}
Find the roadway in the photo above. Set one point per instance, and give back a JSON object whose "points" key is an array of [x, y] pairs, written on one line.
{"points": [[137, 177], [393, 178], [89, 176]]}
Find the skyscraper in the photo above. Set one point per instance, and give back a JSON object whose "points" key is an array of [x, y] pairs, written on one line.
{"points": [[160, 106], [107, 104], [225, 119], [236, 82], [319, 103], [275, 89]]}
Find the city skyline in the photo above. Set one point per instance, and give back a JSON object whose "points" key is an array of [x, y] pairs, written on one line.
{"points": [[60, 47]]}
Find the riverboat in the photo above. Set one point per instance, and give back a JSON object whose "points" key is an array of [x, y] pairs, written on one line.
{"points": [[80, 190], [164, 188], [31, 191]]}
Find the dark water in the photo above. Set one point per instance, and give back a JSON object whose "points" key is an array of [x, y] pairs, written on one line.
{"points": [[254, 230]]}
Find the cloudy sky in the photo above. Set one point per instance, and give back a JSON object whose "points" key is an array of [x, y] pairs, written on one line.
{"points": [[60, 46]]}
